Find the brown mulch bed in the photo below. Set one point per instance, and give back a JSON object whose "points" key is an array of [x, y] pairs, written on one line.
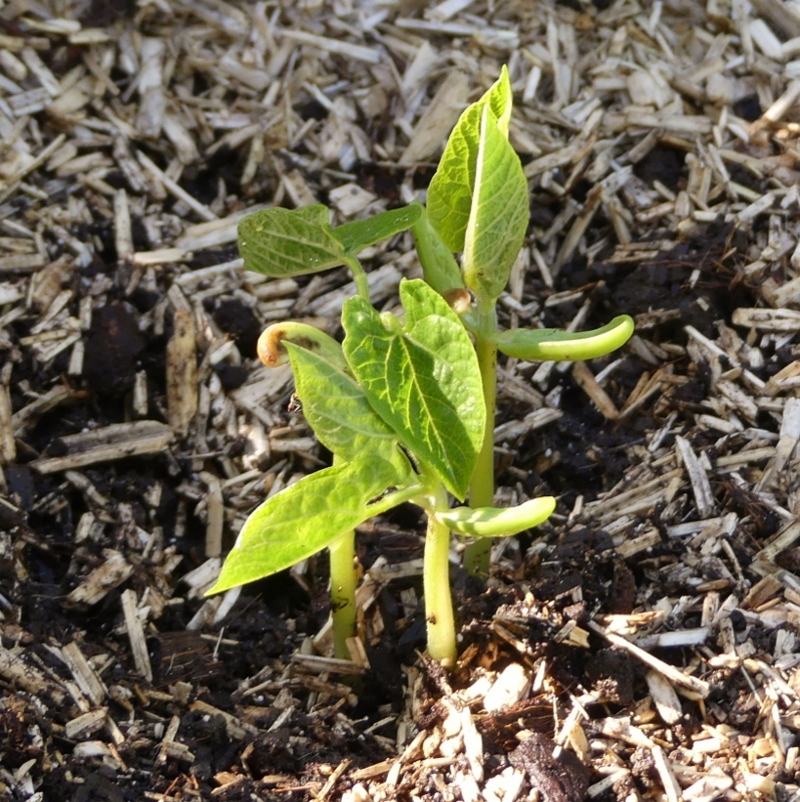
{"points": [[641, 645]]}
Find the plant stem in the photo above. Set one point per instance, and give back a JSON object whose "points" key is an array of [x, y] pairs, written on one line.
{"points": [[343, 588], [343, 573], [343, 593], [359, 276], [436, 584], [481, 491], [394, 499]]}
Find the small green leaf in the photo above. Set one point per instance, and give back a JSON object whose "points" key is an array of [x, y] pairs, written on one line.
{"points": [[360, 234], [340, 415], [289, 242], [422, 379], [303, 519], [450, 194], [563, 346], [499, 213], [497, 521], [439, 266]]}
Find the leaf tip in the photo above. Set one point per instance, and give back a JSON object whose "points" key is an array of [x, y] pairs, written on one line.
{"points": [[269, 348], [217, 587], [627, 326]]}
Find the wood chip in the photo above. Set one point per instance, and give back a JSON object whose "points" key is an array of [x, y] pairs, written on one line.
{"points": [[14, 669], [182, 372], [509, 688], [701, 487], [440, 116], [83, 673], [696, 686], [586, 381], [108, 443], [84, 726], [8, 447], [100, 582], [664, 697], [133, 625]]}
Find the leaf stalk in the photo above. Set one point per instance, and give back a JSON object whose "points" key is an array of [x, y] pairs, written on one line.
{"points": [[359, 276]]}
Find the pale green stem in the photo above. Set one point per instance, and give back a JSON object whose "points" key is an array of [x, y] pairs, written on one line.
{"points": [[481, 490], [395, 498], [343, 573], [436, 584], [359, 276], [343, 588], [343, 592]]}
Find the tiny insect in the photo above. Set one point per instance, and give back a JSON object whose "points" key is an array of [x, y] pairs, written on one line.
{"points": [[295, 404]]}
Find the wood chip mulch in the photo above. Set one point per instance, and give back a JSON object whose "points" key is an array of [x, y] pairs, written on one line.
{"points": [[643, 645]]}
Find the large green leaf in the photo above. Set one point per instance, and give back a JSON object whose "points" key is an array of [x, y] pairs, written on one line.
{"points": [[304, 518], [498, 216], [422, 378], [289, 242], [359, 234], [339, 413], [450, 194]]}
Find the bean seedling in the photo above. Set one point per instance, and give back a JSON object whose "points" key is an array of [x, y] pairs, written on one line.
{"points": [[406, 403]]}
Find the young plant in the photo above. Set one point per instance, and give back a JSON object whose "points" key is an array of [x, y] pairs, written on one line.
{"points": [[406, 403]]}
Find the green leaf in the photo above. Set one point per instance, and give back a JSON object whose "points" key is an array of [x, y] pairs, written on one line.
{"points": [[271, 346], [450, 191], [500, 99], [497, 521], [563, 346], [340, 415], [450, 194], [303, 519], [499, 213], [422, 379], [439, 266], [289, 242], [360, 234]]}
